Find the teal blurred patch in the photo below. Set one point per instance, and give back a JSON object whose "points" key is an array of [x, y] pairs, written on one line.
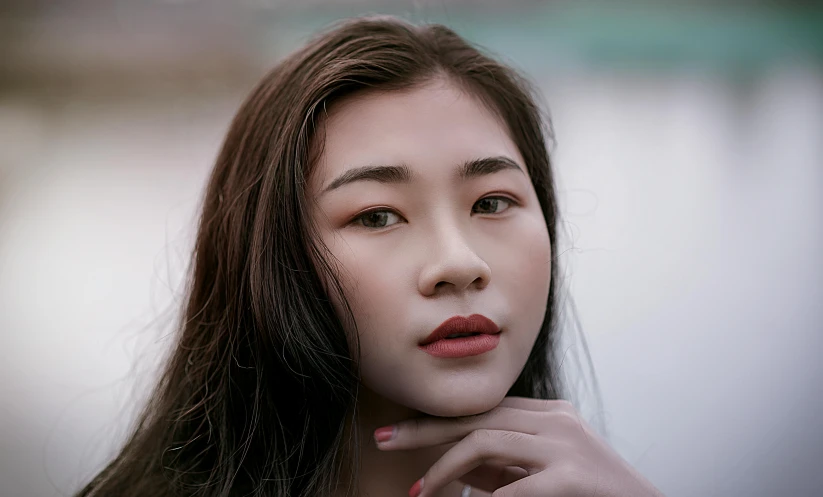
{"points": [[655, 37]]}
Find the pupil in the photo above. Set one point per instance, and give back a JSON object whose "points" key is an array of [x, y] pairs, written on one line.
{"points": [[488, 201], [376, 218]]}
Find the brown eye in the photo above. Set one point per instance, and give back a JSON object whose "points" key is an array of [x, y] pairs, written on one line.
{"points": [[492, 205], [376, 219]]}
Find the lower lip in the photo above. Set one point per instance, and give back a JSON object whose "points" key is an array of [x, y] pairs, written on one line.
{"points": [[462, 347]]}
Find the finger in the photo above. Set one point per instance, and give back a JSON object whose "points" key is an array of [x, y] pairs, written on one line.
{"points": [[428, 431], [530, 404], [496, 447], [564, 408], [558, 481], [537, 485], [489, 477]]}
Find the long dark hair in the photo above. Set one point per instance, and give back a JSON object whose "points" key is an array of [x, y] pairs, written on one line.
{"points": [[261, 385]]}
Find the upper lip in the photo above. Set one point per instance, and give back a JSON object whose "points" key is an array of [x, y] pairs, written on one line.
{"points": [[476, 323]]}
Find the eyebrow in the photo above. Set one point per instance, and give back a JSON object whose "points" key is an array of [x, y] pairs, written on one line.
{"points": [[402, 174]]}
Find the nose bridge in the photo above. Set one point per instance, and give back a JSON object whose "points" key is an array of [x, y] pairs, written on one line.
{"points": [[451, 258]]}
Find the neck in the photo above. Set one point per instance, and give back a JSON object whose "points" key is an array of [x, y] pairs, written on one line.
{"points": [[391, 472]]}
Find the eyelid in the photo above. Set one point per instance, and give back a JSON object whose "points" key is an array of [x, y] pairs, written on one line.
{"points": [[502, 196]]}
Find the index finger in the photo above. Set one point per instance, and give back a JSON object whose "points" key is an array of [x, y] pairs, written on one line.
{"points": [[530, 404], [427, 431]]}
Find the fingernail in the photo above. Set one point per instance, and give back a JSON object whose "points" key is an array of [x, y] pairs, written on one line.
{"points": [[384, 434], [416, 488]]}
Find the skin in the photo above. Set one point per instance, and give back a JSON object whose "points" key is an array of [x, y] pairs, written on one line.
{"points": [[440, 246]]}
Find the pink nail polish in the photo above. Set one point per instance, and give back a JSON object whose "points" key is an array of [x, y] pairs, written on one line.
{"points": [[416, 488], [384, 434]]}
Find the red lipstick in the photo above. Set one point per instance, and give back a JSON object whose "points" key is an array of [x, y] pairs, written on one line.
{"points": [[484, 337]]}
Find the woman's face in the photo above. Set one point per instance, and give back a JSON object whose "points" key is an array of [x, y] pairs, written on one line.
{"points": [[418, 242]]}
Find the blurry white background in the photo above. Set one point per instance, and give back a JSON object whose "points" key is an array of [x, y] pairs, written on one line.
{"points": [[689, 157]]}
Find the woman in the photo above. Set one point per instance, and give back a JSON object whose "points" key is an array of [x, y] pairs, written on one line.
{"points": [[383, 189]]}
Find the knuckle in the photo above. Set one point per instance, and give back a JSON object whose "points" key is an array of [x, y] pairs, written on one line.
{"points": [[489, 442], [512, 437], [482, 439], [412, 426], [479, 436]]}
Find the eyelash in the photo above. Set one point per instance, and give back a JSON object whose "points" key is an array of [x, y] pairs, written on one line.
{"points": [[362, 215]]}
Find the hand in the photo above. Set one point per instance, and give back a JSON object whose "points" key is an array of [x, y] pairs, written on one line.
{"points": [[521, 448]]}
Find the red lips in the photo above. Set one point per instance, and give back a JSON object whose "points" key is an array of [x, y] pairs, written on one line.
{"points": [[476, 323]]}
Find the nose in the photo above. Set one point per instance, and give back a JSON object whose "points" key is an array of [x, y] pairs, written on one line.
{"points": [[452, 264]]}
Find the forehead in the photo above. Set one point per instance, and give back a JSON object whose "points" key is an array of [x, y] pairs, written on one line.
{"points": [[429, 128]]}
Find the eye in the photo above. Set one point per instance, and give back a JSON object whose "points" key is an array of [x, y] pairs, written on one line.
{"points": [[493, 205], [384, 218], [376, 219]]}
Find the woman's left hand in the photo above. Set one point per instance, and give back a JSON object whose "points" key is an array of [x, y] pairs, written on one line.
{"points": [[524, 448]]}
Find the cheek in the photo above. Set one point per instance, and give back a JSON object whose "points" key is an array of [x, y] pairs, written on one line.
{"points": [[376, 284], [340, 264], [525, 275], [370, 284], [537, 261]]}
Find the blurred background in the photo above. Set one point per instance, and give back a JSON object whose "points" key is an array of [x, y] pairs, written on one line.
{"points": [[689, 155]]}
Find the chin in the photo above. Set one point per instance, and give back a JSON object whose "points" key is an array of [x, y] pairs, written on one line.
{"points": [[468, 403]]}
